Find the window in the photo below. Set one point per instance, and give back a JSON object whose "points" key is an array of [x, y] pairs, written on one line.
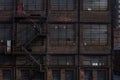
{"points": [[62, 4], [56, 75], [24, 60], [69, 75], [5, 37], [88, 75], [6, 4], [25, 75], [62, 35], [62, 60], [95, 74], [5, 32], [7, 75], [26, 33], [95, 4], [95, 35], [38, 75], [101, 75], [94, 60], [32, 4], [5, 60]]}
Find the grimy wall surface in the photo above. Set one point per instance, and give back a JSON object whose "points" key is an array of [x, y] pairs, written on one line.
{"points": [[55, 40]]}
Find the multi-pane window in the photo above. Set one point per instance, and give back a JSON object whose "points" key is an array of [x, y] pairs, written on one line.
{"points": [[26, 33], [88, 75], [23, 60], [7, 75], [25, 75], [38, 75], [5, 32], [62, 4], [5, 37], [62, 35], [94, 60], [95, 4], [101, 75], [32, 4], [6, 60], [95, 75], [30, 74], [95, 35], [62, 60], [56, 75], [69, 75], [6, 4]]}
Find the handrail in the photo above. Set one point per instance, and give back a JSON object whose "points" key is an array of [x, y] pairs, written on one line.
{"points": [[31, 57]]}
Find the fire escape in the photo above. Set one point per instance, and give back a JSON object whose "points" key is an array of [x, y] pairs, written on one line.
{"points": [[35, 32]]}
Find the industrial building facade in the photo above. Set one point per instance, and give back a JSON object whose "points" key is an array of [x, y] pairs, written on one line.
{"points": [[116, 54], [55, 39]]}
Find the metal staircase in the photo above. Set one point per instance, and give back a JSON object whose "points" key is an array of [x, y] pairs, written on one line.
{"points": [[34, 33]]}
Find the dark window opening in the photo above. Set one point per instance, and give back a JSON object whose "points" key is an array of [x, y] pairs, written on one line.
{"points": [[88, 75], [25, 75], [69, 75], [7, 75], [101, 75], [56, 75]]}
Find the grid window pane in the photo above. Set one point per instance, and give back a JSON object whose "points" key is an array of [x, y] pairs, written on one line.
{"points": [[62, 4], [56, 75], [95, 35], [101, 75], [62, 35], [6, 75], [62, 60], [69, 75], [33, 4], [6, 4], [25, 75], [88, 75], [95, 4], [5, 31], [94, 60]]}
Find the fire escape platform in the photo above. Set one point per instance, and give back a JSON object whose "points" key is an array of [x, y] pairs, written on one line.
{"points": [[28, 18]]}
